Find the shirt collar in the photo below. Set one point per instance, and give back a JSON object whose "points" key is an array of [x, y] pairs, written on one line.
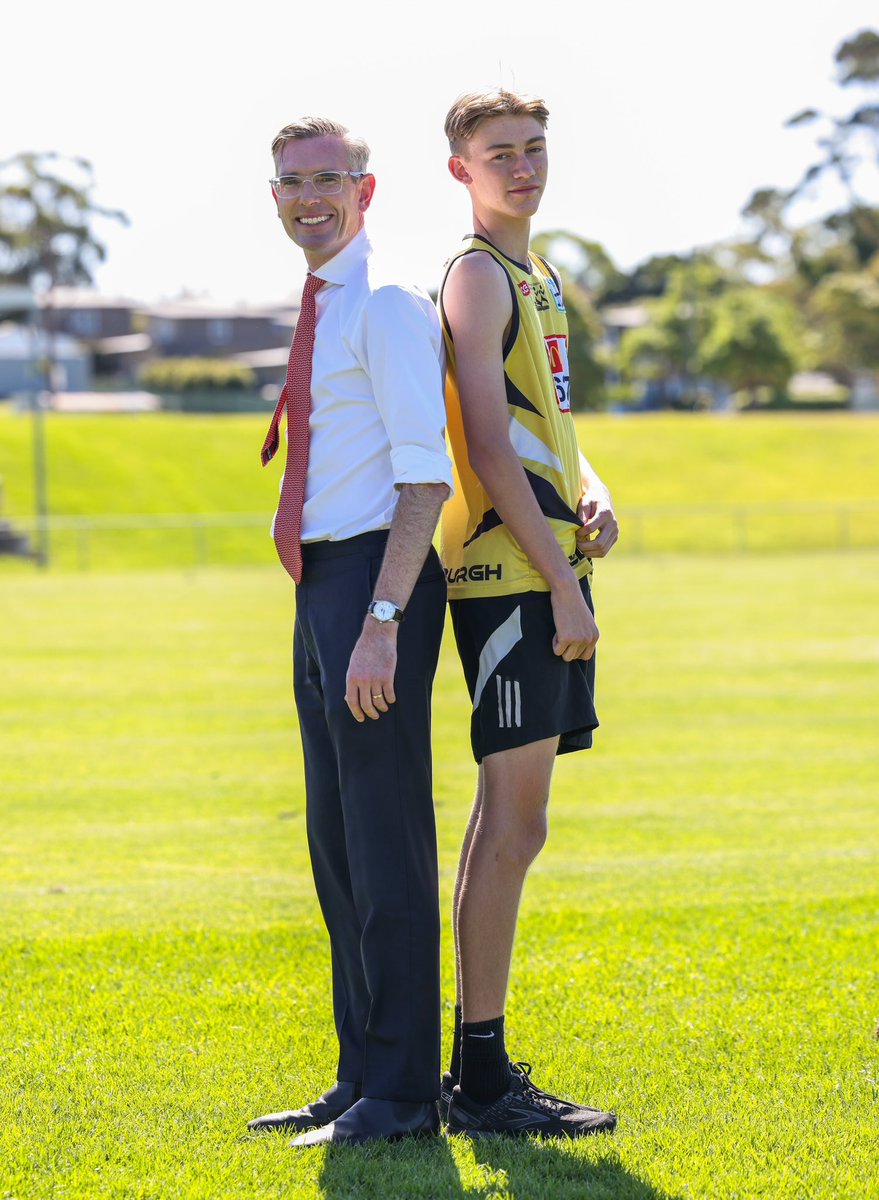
{"points": [[341, 268]]}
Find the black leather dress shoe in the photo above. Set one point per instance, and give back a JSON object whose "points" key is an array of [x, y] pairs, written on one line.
{"points": [[376, 1120], [322, 1111]]}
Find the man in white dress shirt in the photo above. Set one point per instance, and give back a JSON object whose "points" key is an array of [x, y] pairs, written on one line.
{"points": [[369, 617]]}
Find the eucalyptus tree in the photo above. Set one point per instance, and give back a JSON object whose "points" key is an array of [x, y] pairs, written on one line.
{"points": [[47, 239], [47, 218]]}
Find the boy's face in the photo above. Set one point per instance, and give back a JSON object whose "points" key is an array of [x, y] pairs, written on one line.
{"points": [[504, 166]]}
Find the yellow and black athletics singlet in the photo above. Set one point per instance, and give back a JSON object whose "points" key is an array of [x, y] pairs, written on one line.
{"points": [[480, 555]]}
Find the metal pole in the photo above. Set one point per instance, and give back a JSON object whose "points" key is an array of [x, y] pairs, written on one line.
{"points": [[43, 376], [41, 506]]}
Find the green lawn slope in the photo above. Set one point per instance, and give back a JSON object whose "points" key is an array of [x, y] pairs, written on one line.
{"points": [[680, 482]]}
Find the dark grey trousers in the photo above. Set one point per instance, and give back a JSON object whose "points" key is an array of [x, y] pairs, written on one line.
{"points": [[370, 820]]}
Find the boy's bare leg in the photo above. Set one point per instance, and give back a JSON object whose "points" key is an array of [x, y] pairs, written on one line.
{"points": [[506, 832]]}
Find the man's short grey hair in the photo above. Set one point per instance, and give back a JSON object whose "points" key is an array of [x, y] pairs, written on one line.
{"points": [[315, 127]]}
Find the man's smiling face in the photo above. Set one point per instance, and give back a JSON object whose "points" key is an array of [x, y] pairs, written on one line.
{"points": [[321, 225]]}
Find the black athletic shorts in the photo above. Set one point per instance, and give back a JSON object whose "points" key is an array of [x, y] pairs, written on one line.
{"points": [[521, 691]]}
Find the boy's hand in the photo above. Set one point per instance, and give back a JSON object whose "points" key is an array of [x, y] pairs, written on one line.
{"points": [[575, 630], [598, 518]]}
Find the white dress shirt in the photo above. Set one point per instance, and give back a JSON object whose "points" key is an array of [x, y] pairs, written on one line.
{"points": [[377, 402]]}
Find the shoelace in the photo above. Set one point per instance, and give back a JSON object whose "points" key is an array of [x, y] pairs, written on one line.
{"points": [[523, 1070]]}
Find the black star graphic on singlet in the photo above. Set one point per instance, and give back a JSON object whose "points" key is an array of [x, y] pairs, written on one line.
{"points": [[551, 505]]}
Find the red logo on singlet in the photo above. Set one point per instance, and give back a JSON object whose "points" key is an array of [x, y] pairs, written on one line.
{"points": [[557, 349], [524, 287]]}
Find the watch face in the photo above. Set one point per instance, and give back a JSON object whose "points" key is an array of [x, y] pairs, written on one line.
{"points": [[384, 610]]}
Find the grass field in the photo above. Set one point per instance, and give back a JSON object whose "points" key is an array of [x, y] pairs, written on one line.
{"points": [[698, 944], [680, 481]]}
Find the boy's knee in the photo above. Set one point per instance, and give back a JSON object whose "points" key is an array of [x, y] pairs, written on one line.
{"points": [[533, 835], [520, 841]]}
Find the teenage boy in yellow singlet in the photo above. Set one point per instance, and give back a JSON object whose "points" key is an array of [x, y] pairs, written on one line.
{"points": [[528, 516]]}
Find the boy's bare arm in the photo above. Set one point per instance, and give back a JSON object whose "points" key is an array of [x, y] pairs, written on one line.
{"points": [[478, 306]]}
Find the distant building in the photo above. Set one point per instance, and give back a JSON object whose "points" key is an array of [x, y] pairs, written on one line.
{"points": [[22, 350], [189, 329], [87, 315], [115, 336], [109, 326], [616, 319], [16, 303]]}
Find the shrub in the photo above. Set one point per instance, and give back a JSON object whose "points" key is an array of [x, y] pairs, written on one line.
{"points": [[196, 374]]}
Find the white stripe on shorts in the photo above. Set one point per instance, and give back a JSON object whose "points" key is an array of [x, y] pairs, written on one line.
{"points": [[497, 648], [509, 703]]}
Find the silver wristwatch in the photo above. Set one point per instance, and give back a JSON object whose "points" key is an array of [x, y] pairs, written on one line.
{"points": [[385, 611]]}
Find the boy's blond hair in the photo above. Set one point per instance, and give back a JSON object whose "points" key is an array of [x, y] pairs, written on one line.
{"points": [[471, 109]]}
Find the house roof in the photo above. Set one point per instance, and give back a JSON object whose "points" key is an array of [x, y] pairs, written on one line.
{"points": [[182, 310], [71, 297]]}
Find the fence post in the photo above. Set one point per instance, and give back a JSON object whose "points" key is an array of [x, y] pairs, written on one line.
{"points": [[82, 544], [740, 517], [843, 528], [200, 540]]}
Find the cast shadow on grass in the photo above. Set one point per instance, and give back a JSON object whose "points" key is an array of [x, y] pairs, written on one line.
{"points": [[421, 1168], [508, 1168], [530, 1167]]}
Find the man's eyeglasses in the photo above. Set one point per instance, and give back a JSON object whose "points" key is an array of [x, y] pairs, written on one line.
{"points": [[325, 183]]}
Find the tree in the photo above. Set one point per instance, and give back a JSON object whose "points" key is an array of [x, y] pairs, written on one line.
{"points": [[666, 351], [858, 63], [828, 268], [843, 141], [46, 240], [584, 261], [46, 218], [848, 305], [649, 278], [752, 342]]}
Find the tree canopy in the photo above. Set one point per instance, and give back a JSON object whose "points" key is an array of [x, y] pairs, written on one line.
{"points": [[749, 313], [47, 215]]}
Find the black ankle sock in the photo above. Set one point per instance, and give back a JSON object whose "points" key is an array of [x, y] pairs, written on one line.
{"points": [[485, 1067], [455, 1063]]}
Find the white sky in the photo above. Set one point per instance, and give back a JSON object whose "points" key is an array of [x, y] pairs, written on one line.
{"points": [[664, 118]]}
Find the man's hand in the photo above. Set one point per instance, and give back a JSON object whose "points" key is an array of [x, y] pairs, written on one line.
{"points": [[597, 517], [369, 684], [575, 630]]}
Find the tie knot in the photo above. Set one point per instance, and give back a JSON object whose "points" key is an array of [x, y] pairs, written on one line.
{"points": [[312, 285]]}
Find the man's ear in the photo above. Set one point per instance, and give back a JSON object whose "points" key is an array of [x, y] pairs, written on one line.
{"points": [[367, 191], [458, 170]]}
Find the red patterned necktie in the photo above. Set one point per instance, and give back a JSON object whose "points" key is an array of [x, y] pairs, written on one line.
{"points": [[296, 394]]}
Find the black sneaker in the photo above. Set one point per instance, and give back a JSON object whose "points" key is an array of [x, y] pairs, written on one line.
{"points": [[524, 1108], [447, 1086]]}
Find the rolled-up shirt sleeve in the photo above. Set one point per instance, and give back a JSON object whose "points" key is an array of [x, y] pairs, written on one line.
{"points": [[404, 348]]}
